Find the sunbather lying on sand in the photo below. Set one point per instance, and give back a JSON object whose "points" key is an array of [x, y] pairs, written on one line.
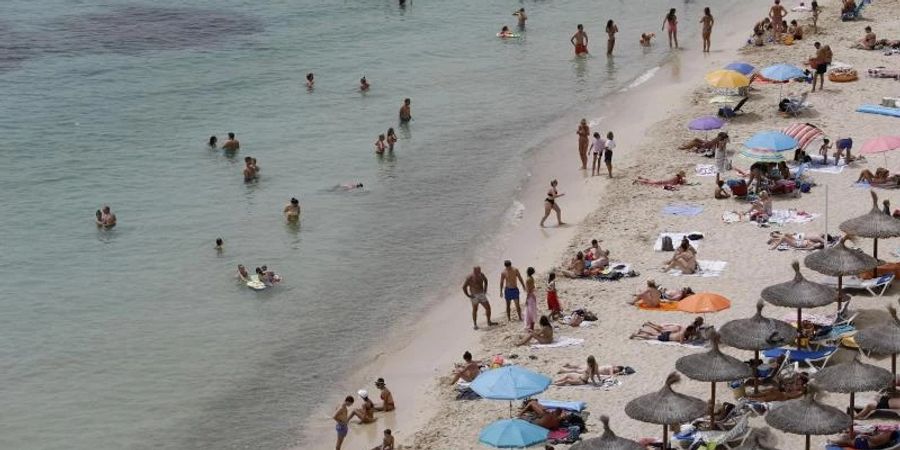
{"points": [[687, 334], [671, 327], [467, 371], [882, 401], [591, 374], [865, 441], [685, 258], [797, 241], [881, 176], [788, 389], [533, 412], [649, 297], [678, 179], [698, 145], [677, 294], [543, 335]]}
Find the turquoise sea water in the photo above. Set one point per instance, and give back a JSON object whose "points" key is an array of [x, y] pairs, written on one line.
{"points": [[140, 337]]}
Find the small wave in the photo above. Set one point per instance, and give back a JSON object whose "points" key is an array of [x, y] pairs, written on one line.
{"points": [[515, 213], [595, 122], [646, 76]]}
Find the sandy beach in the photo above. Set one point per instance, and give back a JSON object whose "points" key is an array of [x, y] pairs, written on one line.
{"points": [[650, 122]]}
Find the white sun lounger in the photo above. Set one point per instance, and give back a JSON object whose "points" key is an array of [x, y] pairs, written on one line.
{"points": [[875, 286]]}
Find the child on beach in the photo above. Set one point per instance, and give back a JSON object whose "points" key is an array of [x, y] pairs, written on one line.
{"points": [[597, 148], [530, 300], [608, 154], [391, 139], [552, 299], [670, 24], [645, 39]]}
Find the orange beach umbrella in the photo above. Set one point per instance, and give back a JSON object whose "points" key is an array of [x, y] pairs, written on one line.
{"points": [[704, 302]]}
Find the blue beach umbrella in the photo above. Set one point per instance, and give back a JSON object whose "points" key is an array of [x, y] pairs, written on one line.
{"points": [[782, 72], [510, 383], [512, 433], [741, 67], [775, 141]]}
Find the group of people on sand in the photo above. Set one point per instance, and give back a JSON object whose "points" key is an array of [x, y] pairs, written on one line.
{"points": [[592, 261], [650, 331], [654, 296], [601, 149], [365, 414]]}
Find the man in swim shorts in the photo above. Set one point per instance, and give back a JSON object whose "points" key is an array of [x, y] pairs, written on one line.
{"points": [[580, 41], [232, 144], [342, 420], [475, 288], [509, 288], [822, 60], [405, 113]]}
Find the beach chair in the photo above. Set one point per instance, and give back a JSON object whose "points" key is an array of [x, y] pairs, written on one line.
{"points": [[856, 13], [875, 286], [814, 359], [796, 106], [730, 439], [727, 113]]}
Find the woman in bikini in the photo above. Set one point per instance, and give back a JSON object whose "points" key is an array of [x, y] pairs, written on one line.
{"points": [[573, 375], [679, 178], [550, 203], [670, 24], [685, 258], [707, 21], [544, 335], [391, 139], [583, 132], [687, 334], [797, 241], [530, 300], [611, 30]]}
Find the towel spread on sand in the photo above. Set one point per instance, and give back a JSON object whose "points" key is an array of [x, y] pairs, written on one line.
{"points": [[705, 170], [665, 306], [682, 209], [558, 404], [692, 344], [707, 269], [830, 168], [676, 239], [605, 384], [779, 217], [560, 342]]}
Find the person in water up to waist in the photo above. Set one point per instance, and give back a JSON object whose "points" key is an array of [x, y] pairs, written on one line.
{"points": [[292, 210]]}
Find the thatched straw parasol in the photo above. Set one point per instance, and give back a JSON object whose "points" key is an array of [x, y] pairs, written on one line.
{"points": [[874, 224], [852, 377], [799, 293], [757, 440], [757, 333], [882, 339], [806, 416], [838, 261], [712, 366], [607, 441], [665, 407]]}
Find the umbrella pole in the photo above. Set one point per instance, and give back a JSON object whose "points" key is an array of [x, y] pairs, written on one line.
{"points": [[852, 412], [712, 407], [756, 372], [875, 255], [799, 323], [665, 437], [807, 442], [840, 291], [894, 371]]}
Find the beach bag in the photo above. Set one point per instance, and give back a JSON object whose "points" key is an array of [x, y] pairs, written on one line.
{"points": [[805, 188], [667, 245], [726, 112]]}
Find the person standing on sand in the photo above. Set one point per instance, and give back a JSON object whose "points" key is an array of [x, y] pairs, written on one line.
{"points": [[608, 154], [342, 420], [405, 112], [611, 30], [550, 204], [552, 298], [707, 25], [292, 211], [387, 399], [597, 148], [776, 14], [232, 144], [583, 132], [475, 288], [579, 40], [530, 300], [509, 288], [815, 16], [820, 63], [670, 24]]}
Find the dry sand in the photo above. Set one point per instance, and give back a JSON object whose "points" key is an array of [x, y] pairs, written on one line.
{"points": [[628, 218]]}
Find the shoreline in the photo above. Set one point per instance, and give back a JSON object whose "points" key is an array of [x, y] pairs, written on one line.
{"points": [[420, 355]]}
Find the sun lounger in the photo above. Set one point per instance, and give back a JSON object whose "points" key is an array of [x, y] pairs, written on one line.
{"points": [[815, 359], [796, 106], [856, 13], [875, 286], [730, 439]]}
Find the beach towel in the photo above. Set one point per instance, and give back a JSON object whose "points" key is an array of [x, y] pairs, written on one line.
{"points": [[707, 269], [605, 384], [731, 217], [676, 239], [725, 99], [705, 170], [678, 209], [560, 342], [690, 344], [785, 216], [615, 271], [566, 406], [881, 110], [667, 306]]}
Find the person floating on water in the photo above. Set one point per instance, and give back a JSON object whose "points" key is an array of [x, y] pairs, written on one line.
{"points": [[310, 81], [213, 140], [405, 111], [505, 33], [231, 145], [363, 84], [520, 14], [579, 40], [292, 211], [105, 218]]}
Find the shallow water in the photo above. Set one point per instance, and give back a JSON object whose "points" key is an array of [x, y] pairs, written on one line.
{"points": [[139, 337]]}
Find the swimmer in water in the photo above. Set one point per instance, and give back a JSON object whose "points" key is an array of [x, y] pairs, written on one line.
{"points": [[220, 244], [380, 144], [242, 273], [520, 14], [350, 186], [105, 218], [579, 40], [251, 172], [504, 32], [292, 211], [405, 112], [310, 81], [232, 144], [391, 139], [363, 84], [212, 142], [645, 39]]}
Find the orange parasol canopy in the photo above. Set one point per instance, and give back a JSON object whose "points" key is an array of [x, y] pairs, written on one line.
{"points": [[704, 302]]}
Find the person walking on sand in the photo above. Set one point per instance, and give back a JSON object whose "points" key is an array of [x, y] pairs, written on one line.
{"points": [[597, 148], [608, 153], [530, 300], [475, 288], [509, 288], [292, 211], [579, 40], [342, 421], [550, 204], [670, 24], [583, 132], [820, 63], [776, 14], [707, 25], [405, 111], [611, 30]]}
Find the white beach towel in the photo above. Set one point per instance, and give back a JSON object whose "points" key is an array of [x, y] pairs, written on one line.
{"points": [[560, 342], [707, 269], [676, 239], [583, 324], [705, 170], [784, 216], [605, 385], [674, 344]]}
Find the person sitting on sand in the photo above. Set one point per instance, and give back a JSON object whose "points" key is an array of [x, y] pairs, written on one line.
{"points": [[576, 318], [387, 398], [366, 411], [761, 209], [576, 267], [543, 335], [678, 179], [797, 241], [880, 439], [795, 30], [848, 6], [687, 334], [720, 193], [467, 371], [698, 145], [650, 297], [760, 28], [646, 38], [387, 443], [883, 400], [685, 259], [533, 412]]}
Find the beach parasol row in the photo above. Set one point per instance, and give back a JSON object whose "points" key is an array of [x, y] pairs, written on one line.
{"points": [[874, 224], [607, 441], [838, 261], [712, 366], [665, 407], [807, 417]]}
